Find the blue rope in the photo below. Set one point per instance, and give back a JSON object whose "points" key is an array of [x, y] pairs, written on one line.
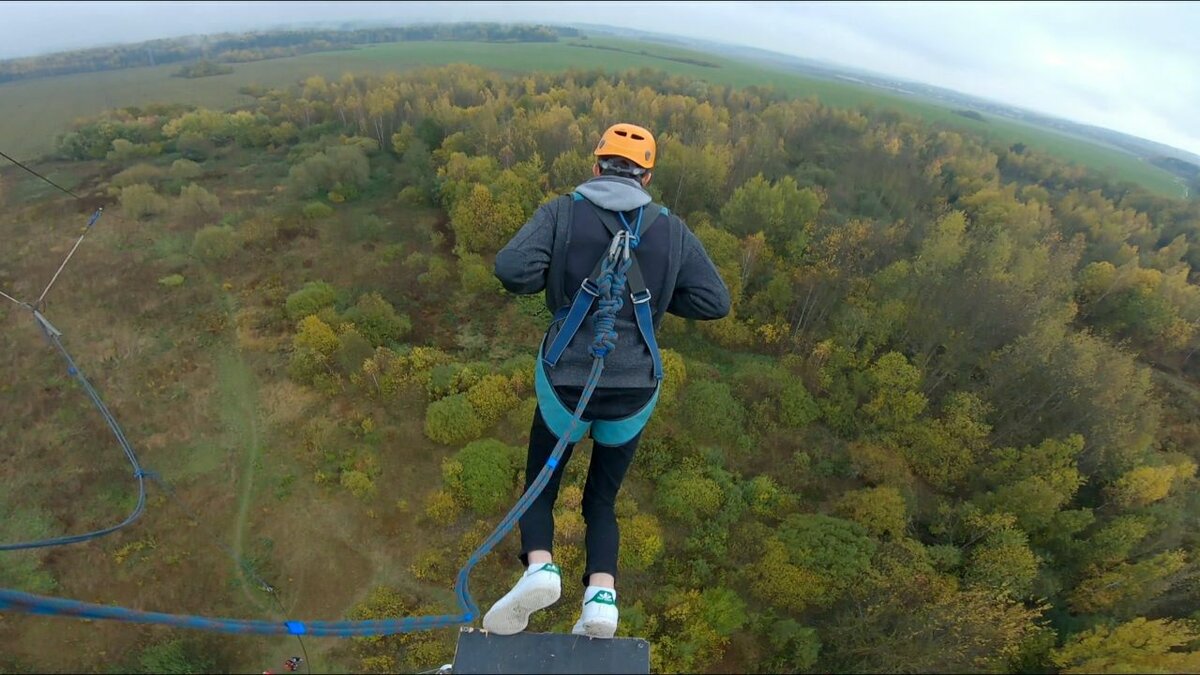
{"points": [[613, 284], [636, 230], [52, 334]]}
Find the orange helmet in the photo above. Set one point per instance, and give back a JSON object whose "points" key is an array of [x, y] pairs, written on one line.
{"points": [[629, 141]]}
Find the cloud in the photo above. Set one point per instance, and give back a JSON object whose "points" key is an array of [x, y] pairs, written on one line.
{"points": [[1133, 67]]}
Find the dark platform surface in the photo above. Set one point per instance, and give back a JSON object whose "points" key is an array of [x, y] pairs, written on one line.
{"points": [[481, 652]]}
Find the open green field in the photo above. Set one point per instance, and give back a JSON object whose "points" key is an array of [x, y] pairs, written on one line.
{"points": [[35, 111]]}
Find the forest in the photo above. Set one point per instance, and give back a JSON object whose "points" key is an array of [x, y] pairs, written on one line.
{"points": [[256, 46], [951, 424]]}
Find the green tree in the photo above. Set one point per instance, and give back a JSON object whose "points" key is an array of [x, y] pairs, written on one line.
{"points": [[797, 408], [1142, 485], [1125, 590], [782, 211], [881, 510], [1004, 562], [1138, 646], [795, 647], [812, 560], [712, 412], [316, 211], [943, 450], [692, 177], [896, 399], [570, 169], [1113, 543], [483, 223], [698, 626], [353, 350], [312, 347]]}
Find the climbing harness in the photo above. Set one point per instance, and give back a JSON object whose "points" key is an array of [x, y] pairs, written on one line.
{"points": [[605, 288]]}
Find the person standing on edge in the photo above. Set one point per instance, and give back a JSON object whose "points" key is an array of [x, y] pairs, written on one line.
{"points": [[558, 251]]}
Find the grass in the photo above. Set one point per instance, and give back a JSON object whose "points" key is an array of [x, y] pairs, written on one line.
{"points": [[35, 111]]}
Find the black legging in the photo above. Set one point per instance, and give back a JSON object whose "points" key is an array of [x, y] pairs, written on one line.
{"points": [[605, 475]]}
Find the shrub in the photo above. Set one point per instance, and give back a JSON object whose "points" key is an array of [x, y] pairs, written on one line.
{"points": [[342, 169], [689, 496], [797, 408], [317, 210], [482, 475], [215, 243], [452, 420], [442, 509], [138, 173], [359, 484], [123, 150], [377, 320], [492, 397], [185, 169], [197, 204], [315, 296], [141, 201], [641, 542]]}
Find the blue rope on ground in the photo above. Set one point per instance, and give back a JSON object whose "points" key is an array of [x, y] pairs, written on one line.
{"points": [[612, 283], [52, 334]]}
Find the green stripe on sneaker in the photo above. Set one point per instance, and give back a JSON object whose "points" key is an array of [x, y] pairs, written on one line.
{"points": [[550, 567], [603, 598]]}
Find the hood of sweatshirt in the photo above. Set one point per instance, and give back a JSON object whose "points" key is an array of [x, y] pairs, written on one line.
{"points": [[614, 193]]}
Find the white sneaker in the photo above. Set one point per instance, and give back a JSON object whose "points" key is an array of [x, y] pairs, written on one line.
{"points": [[538, 588], [599, 616]]}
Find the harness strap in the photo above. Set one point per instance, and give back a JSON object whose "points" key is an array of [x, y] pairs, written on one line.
{"points": [[585, 296]]}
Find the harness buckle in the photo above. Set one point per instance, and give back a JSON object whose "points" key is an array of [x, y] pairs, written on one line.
{"points": [[588, 286], [640, 297]]}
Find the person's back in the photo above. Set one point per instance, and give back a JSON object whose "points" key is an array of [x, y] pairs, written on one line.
{"points": [[559, 250]]}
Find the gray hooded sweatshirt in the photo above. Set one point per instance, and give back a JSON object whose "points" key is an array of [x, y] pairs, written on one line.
{"points": [[695, 289]]}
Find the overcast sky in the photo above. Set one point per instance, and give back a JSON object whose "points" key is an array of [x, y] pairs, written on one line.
{"points": [[1133, 67]]}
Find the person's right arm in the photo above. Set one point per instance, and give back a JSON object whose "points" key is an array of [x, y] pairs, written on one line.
{"points": [[523, 263], [700, 292]]}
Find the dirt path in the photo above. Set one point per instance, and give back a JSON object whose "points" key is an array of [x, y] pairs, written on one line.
{"points": [[237, 398], [240, 417]]}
